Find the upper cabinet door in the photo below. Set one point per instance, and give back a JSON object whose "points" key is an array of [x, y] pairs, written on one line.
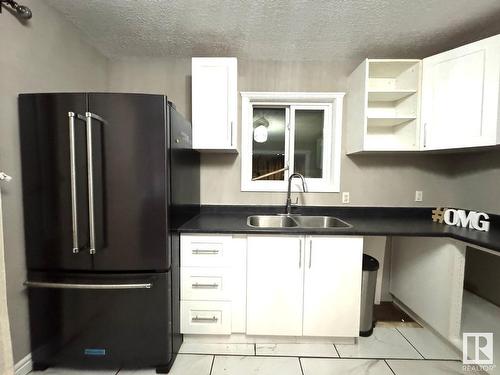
{"points": [[214, 101], [460, 96], [332, 286], [275, 285]]}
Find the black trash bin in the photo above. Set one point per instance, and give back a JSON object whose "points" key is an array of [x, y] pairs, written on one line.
{"points": [[368, 284]]}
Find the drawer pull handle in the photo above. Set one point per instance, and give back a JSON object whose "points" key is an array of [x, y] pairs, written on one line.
{"points": [[205, 286], [200, 251], [213, 319]]}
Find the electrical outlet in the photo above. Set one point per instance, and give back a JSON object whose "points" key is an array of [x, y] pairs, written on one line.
{"points": [[419, 196], [345, 197]]}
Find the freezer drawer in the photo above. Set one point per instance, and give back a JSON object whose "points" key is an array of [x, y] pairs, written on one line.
{"points": [[101, 320]]}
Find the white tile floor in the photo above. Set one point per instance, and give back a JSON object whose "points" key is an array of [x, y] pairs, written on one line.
{"points": [[296, 350], [389, 351]]}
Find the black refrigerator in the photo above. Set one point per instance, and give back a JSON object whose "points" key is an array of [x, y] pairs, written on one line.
{"points": [[107, 180]]}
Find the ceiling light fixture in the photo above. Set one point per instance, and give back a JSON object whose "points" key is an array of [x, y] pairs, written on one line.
{"points": [[260, 131]]}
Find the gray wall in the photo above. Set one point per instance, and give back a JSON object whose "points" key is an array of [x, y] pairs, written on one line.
{"points": [[476, 180], [383, 180], [47, 54]]}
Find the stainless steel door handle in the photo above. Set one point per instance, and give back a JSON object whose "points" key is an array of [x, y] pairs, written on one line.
{"points": [[40, 284], [90, 166], [72, 157], [310, 252], [231, 132], [204, 286], [300, 253], [213, 319], [201, 251], [425, 135]]}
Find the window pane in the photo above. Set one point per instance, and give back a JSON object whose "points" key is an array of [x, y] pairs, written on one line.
{"points": [[308, 154], [269, 125]]}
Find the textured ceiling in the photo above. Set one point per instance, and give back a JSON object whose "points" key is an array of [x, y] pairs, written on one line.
{"points": [[325, 30]]}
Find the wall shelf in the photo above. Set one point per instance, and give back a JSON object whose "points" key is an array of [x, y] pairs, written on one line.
{"points": [[388, 121], [388, 95], [383, 106]]}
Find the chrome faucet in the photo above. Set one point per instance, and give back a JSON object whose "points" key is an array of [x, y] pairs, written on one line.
{"points": [[288, 207]]}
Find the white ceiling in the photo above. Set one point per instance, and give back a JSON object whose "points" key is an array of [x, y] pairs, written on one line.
{"points": [[325, 30]]}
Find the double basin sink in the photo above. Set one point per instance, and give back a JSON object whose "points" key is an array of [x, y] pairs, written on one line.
{"points": [[296, 221]]}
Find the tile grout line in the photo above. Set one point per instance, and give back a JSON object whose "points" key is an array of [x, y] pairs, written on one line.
{"points": [[410, 343], [300, 364], [212, 365], [388, 365], [336, 350]]}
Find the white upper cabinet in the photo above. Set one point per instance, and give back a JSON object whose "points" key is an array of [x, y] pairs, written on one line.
{"points": [[383, 105], [214, 104], [446, 101], [460, 96]]}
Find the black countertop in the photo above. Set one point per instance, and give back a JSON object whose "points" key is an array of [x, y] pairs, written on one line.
{"points": [[365, 221]]}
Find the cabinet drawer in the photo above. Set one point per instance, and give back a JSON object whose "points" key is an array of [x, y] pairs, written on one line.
{"points": [[208, 284], [205, 317], [205, 251]]}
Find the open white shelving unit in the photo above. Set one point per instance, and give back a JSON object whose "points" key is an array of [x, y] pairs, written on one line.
{"points": [[383, 106]]}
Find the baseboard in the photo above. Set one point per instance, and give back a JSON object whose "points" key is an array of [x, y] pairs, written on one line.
{"points": [[238, 338], [24, 366]]}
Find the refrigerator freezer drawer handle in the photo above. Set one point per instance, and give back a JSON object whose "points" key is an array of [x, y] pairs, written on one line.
{"points": [[39, 284], [90, 175], [72, 156]]}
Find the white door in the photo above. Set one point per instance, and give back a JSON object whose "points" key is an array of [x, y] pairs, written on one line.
{"points": [[275, 270], [6, 360], [332, 286], [460, 96], [214, 91]]}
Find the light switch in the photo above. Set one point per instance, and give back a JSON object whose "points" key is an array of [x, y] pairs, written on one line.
{"points": [[419, 196]]}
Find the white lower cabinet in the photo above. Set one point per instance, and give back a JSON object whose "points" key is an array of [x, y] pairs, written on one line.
{"points": [[271, 285], [208, 283], [213, 275], [304, 285], [275, 282], [206, 317], [332, 286]]}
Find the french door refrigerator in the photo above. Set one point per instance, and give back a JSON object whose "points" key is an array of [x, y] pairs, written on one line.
{"points": [[107, 180]]}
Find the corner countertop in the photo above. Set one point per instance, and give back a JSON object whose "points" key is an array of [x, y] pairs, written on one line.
{"points": [[365, 221]]}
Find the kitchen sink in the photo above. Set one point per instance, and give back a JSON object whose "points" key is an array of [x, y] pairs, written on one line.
{"points": [[320, 222], [271, 221], [294, 221]]}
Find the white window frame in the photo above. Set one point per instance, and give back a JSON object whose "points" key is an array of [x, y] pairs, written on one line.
{"points": [[331, 102]]}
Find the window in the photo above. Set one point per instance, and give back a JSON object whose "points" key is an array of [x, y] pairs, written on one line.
{"points": [[285, 133]]}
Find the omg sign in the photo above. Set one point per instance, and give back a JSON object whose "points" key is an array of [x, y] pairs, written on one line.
{"points": [[461, 218]]}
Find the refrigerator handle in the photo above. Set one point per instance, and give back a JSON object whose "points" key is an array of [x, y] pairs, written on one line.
{"points": [[72, 156], [47, 285], [90, 173]]}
